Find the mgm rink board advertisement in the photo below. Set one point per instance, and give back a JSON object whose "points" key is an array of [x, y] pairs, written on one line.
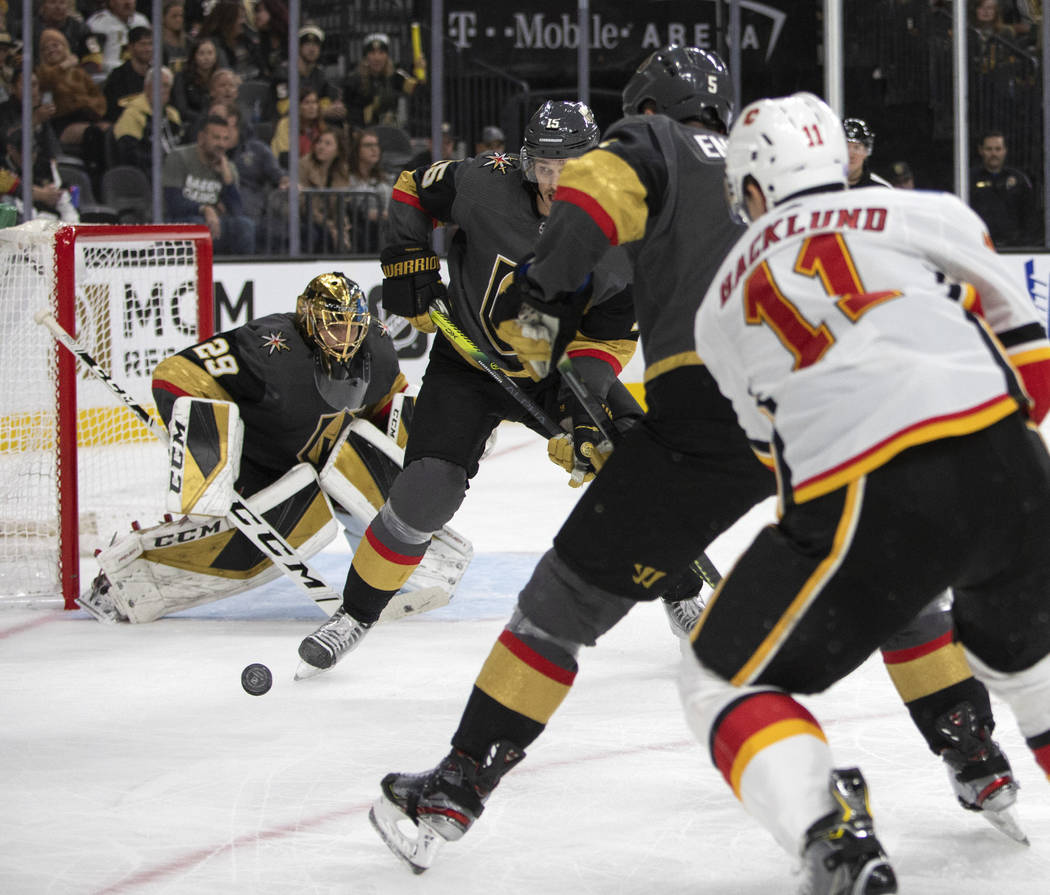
{"points": [[245, 291]]}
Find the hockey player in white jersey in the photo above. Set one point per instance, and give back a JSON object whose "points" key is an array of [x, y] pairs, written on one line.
{"points": [[876, 340]]}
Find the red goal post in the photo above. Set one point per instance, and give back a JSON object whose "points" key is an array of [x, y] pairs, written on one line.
{"points": [[76, 466]]}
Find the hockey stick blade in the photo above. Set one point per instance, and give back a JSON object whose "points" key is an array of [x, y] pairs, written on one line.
{"points": [[417, 853]]}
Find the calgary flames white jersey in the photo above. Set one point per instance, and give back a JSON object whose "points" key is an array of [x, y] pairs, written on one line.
{"points": [[848, 326]]}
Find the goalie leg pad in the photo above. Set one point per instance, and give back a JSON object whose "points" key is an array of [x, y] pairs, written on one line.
{"points": [[361, 469], [196, 560], [204, 456]]}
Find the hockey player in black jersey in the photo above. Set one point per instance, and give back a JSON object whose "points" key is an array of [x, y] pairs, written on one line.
{"points": [[306, 397], [673, 483], [499, 204]]}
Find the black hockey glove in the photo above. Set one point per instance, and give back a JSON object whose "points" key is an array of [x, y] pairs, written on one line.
{"points": [[537, 329], [583, 451], [411, 281]]}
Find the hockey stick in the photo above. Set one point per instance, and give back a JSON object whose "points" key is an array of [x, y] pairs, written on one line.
{"points": [[252, 525], [702, 567], [439, 313]]}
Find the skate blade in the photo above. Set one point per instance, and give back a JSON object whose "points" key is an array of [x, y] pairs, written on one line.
{"points": [[1006, 822], [417, 853], [96, 614], [305, 671]]}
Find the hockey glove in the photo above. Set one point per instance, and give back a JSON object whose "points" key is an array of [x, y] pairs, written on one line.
{"points": [[583, 452], [411, 281], [537, 330]]}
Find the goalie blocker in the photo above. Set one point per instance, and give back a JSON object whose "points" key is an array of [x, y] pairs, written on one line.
{"points": [[203, 557]]}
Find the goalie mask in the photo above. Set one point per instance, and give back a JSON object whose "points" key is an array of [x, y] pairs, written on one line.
{"points": [[557, 130], [332, 317], [683, 83]]}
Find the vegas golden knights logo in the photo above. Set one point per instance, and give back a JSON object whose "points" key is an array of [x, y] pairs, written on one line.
{"points": [[646, 576]]}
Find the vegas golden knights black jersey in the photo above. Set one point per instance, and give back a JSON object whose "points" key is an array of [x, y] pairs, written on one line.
{"points": [[292, 410], [665, 173], [488, 200]]}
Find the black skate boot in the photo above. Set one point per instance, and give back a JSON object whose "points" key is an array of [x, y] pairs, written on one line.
{"points": [[329, 643], [443, 803], [841, 855], [978, 770]]}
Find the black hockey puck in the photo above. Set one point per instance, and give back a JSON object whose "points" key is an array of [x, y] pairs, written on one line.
{"points": [[256, 679]]}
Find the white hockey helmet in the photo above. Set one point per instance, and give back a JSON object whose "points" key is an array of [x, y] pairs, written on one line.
{"points": [[787, 145]]}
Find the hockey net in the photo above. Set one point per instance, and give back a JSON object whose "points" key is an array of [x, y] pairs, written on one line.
{"points": [[76, 465]]}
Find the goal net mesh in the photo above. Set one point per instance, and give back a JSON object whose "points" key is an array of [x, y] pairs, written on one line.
{"points": [[134, 299]]}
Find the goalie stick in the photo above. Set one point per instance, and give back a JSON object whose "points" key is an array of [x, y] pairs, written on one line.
{"points": [[252, 525], [702, 568]]}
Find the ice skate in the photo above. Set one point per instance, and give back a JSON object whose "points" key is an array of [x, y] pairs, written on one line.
{"points": [[683, 615], [979, 772], [329, 643], [442, 804], [97, 603], [841, 855]]}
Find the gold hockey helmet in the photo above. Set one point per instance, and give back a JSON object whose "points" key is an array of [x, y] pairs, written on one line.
{"points": [[332, 314]]}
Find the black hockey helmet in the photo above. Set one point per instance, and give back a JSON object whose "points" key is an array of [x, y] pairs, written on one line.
{"points": [[682, 83], [332, 316], [857, 131], [558, 129]]}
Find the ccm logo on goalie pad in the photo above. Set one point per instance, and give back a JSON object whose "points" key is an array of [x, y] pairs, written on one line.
{"points": [[266, 538], [187, 535], [177, 454]]}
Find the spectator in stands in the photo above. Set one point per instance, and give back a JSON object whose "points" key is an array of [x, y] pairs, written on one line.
{"points": [[271, 28], [367, 175], [176, 46], [111, 25], [901, 176], [258, 175], [373, 91], [133, 131], [238, 50], [84, 44], [79, 102], [200, 186], [492, 140], [993, 43], [50, 200], [190, 95], [325, 166], [1003, 196], [8, 55], [312, 76], [224, 86], [310, 125], [126, 80], [43, 113]]}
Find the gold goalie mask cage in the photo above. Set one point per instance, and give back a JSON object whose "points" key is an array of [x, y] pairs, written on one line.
{"points": [[332, 314]]}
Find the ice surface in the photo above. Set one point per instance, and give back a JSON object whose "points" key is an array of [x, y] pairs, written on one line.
{"points": [[133, 762]]}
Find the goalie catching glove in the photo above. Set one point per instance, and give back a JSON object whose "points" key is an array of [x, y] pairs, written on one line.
{"points": [[411, 281], [538, 330]]}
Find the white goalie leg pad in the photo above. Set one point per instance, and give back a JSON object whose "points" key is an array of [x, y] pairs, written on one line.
{"points": [[192, 561], [1026, 692], [357, 476], [204, 456], [399, 419], [361, 466], [784, 783]]}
